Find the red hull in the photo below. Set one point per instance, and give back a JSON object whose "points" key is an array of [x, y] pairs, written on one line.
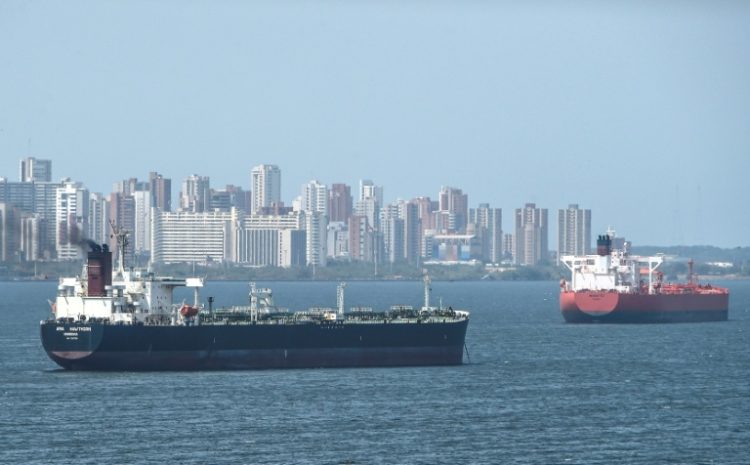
{"points": [[613, 307]]}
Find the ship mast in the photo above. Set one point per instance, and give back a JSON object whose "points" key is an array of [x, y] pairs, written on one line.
{"points": [[427, 282], [122, 244], [340, 298]]}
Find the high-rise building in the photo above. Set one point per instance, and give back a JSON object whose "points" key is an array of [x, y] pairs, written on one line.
{"points": [[9, 226], [454, 208], [573, 231], [368, 189], [266, 187], [369, 209], [72, 214], [33, 169], [340, 202], [196, 194], [315, 198], [35, 198], [361, 239], [409, 214], [230, 197], [161, 191], [130, 185], [531, 237], [489, 228], [31, 237], [141, 236], [316, 228], [338, 240], [193, 237], [45, 195], [392, 228], [99, 210]]}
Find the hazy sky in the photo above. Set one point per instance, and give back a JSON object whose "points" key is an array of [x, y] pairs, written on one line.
{"points": [[637, 110]]}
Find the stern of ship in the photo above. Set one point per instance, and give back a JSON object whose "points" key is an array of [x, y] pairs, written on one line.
{"points": [[587, 306], [70, 344]]}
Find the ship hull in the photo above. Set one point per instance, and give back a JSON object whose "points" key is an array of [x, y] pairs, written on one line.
{"points": [[613, 307], [78, 346]]}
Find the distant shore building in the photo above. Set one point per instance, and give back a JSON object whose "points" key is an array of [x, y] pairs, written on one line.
{"points": [[161, 191], [72, 214], [488, 223], [573, 231], [340, 202], [266, 187], [453, 210], [35, 170], [192, 237], [532, 235], [196, 194]]}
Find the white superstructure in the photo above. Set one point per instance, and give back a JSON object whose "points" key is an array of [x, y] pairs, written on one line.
{"points": [[612, 270], [134, 296]]}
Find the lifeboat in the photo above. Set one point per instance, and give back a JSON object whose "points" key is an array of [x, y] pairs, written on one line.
{"points": [[188, 311]]}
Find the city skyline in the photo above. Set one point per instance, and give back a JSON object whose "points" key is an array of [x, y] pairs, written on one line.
{"points": [[177, 186], [635, 111]]}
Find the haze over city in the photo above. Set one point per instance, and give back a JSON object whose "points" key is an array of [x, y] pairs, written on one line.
{"points": [[638, 112]]}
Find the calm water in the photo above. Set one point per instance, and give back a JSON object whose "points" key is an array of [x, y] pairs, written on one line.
{"points": [[535, 391]]}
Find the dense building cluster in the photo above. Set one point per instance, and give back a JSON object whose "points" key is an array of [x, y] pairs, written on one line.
{"points": [[45, 220]]}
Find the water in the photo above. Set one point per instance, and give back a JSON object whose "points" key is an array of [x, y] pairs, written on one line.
{"points": [[536, 391]]}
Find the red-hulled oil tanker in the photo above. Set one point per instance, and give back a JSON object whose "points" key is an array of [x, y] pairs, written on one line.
{"points": [[616, 287]]}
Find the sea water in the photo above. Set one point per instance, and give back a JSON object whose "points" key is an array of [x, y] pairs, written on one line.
{"points": [[532, 390]]}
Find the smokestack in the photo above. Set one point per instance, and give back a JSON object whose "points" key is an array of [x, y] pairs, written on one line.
{"points": [[604, 245], [99, 266]]}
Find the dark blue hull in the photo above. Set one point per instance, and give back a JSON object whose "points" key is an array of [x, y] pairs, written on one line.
{"points": [[79, 346]]}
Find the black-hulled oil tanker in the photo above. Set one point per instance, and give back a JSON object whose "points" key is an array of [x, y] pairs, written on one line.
{"points": [[126, 320], [614, 286]]}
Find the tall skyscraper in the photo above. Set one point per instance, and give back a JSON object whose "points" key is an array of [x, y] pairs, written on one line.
{"points": [[141, 235], [196, 194], [339, 202], [316, 228], [368, 189], [573, 231], [99, 210], [72, 214], [33, 169], [266, 187], [489, 227], [315, 198], [454, 206], [392, 228], [409, 214], [532, 231], [161, 191], [9, 224]]}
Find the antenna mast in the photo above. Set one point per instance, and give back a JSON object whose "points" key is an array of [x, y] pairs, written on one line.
{"points": [[122, 244]]}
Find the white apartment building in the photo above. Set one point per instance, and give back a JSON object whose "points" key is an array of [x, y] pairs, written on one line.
{"points": [[266, 186], [315, 197], [71, 218], [200, 237]]}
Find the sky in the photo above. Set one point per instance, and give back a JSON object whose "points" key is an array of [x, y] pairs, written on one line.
{"points": [[638, 110]]}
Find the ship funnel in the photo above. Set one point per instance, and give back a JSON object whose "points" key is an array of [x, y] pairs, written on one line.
{"points": [[604, 245], [99, 269]]}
